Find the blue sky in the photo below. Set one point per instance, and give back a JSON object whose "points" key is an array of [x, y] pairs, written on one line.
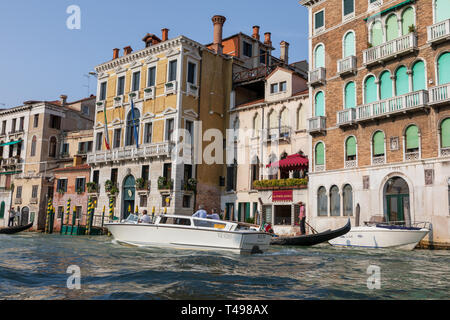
{"points": [[40, 58]]}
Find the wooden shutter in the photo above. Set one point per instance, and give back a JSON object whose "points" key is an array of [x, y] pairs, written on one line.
{"points": [[351, 146], [419, 76], [378, 143], [445, 133], [320, 154], [412, 137]]}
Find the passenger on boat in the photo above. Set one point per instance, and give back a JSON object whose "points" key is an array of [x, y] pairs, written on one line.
{"points": [[145, 218], [213, 215], [201, 212]]}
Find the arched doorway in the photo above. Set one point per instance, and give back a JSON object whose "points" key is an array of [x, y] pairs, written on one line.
{"points": [[396, 197], [129, 191], [24, 216]]}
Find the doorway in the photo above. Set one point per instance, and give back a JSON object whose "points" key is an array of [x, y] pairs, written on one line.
{"points": [[396, 194], [24, 216], [129, 192]]}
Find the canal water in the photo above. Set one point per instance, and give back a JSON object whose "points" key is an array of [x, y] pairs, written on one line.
{"points": [[34, 266]]}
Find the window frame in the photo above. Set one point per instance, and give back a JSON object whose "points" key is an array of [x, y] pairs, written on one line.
{"points": [[103, 93], [321, 28], [350, 15]]}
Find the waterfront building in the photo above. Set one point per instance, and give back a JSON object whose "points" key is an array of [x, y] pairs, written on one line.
{"points": [[380, 112]]}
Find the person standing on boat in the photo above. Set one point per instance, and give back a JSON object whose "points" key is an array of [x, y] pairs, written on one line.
{"points": [[12, 215], [145, 218], [302, 217], [201, 212], [213, 215]]}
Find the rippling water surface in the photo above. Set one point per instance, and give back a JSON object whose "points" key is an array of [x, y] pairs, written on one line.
{"points": [[33, 266]]}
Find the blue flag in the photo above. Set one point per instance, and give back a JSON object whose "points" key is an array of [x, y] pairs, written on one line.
{"points": [[136, 136]]}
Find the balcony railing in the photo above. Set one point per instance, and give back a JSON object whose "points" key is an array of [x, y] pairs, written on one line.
{"points": [[131, 153], [100, 105], [378, 160], [439, 32], [391, 49], [440, 94], [252, 74], [118, 101], [149, 93], [170, 87], [411, 156], [279, 133], [400, 104], [346, 117], [192, 90], [346, 65], [317, 124], [351, 164], [317, 76], [445, 152]]}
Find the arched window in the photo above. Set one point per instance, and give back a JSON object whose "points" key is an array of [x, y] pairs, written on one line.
{"points": [[273, 121], [443, 68], [442, 10], [412, 139], [370, 90], [350, 149], [130, 139], [407, 20], [257, 123], [319, 56], [322, 202], [385, 85], [52, 147], [299, 118], [320, 154], [350, 95], [418, 74], [319, 104], [347, 195], [33, 146], [376, 33], [445, 133], [401, 81], [255, 170], [335, 202], [349, 44], [391, 27], [284, 118], [378, 144]]}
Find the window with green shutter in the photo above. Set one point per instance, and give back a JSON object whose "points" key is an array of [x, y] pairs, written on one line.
{"points": [[350, 146], [445, 133], [376, 34], [419, 76], [319, 57], [442, 9], [370, 90], [349, 7], [443, 68], [319, 20], [412, 139], [407, 20], [349, 44], [391, 28], [320, 154], [378, 143], [319, 105], [350, 95], [401, 81], [385, 85]]}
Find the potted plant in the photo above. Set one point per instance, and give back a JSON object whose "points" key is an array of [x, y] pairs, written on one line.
{"points": [[141, 184], [164, 183], [412, 28], [80, 190], [191, 185], [61, 191], [111, 188], [92, 187]]}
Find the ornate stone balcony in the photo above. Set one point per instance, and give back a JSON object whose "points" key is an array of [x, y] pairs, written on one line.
{"points": [[390, 49], [440, 94], [118, 101], [192, 90], [439, 32], [100, 105], [317, 124], [411, 156], [347, 66], [149, 93], [378, 160], [346, 117], [170, 87], [351, 164], [279, 133], [317, 76]]}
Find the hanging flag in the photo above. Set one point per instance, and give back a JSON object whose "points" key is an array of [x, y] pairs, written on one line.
{"points": [[106, 128], [136, 136]]}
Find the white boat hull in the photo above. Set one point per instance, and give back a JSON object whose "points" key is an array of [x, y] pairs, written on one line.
{"points": [[376, 237], [146, 235]]}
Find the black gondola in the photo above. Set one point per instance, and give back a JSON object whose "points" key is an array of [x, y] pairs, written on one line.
{"points": [[16, 229], [311, 239]]}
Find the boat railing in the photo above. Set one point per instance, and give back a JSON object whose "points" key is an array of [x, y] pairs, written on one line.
{"points": [[403, 223]]}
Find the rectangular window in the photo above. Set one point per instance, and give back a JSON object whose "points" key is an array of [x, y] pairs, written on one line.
{"points": [[85, 110], [172, 70], [148, 132], [103, 91], [22, 120], [80, 184], [79, 211], [55, 122], [117, 133], [19, 192], [145, 172], [4, 127], [151, 77], [274, 88], [121, 86], [65, 148], [143, 201], [96, 176], [169, 129], [98, 142], [61, 185], [192, 70], [34, 192], [36, 121], [136, 81], [283, 86], [248, 49], [319, 21], [190, 130], [114, 173], [13, 126], [60, 212], [349, 7], [167, 171], [186, 201]]}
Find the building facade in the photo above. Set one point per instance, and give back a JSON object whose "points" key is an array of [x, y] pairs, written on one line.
{"points": [[380, 116]]}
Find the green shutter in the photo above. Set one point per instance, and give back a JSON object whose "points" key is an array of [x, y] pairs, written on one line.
{"points": [[370, 90], [319, 57], [402, 81], [320, 152], [378, 143], [350, 95], [2, 210], [391, 28], [418, 76], [351, 146], [445, 133], [385, 86], [349, 45], [348, 7], [442, 10], [247, 211], [320, 107], [376, 34], [444, 67], [319, 21], [407, 20], [412, 137]]}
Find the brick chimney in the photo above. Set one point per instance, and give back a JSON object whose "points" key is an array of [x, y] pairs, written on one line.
{"points": [[127, 50], [115, 53], [267, 39], [218, 22], [63, 99], [256, 32], [165, 34], [150, 40], [284, 52]]}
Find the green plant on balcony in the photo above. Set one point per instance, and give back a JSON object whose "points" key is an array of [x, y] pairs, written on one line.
{"points": [[92, 187], [369, 45], [117, 98], [111, 187], [164, 183], [80, 190], [148, 90], [61, 191], [282, 183], [99, 103], [190, 185], [141, 184], [132, 94], [412, 28]]}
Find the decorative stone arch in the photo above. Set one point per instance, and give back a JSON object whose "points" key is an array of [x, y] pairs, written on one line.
{"points": [[438, 131], [343, 40], [436, 65], [364, 80]]}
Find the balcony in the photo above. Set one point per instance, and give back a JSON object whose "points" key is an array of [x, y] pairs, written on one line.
{"points": [[252, 74], [346, 117], [411, 156], [317, 124], [170, 87], [439, 32], [192, 89], [396, 105], [100, 105], [347, 66], [135, 95], [280, 184], [349, 164], [390, 50], [279, 133], [445, 152], [440, 94], [378, 160], [131, 153], [317, 76], [118, 101], [149, 93]]}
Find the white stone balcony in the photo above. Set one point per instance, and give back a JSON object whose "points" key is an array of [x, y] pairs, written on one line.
{"points": [[279, 133], [439, 32], [347, 66], [351, 164], [390, 50], [378, 160], [100, 105], [192, 89], [149, 93], [411, 156], [346, 117], [440, 94], [118, 101], [170, 87], [135, 95], [391, 106], [317, 76], [131, 153], [445, 152], [317, 124]]}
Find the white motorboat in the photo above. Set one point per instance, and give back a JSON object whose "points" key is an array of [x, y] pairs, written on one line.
{"points": [[185, 232], [384, 235]]}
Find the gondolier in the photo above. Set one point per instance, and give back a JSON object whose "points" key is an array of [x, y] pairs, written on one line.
{"points": [[302, 217], [12, 215]]}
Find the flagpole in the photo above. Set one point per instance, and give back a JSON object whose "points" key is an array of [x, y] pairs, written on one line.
{"points": [[136, 136]]}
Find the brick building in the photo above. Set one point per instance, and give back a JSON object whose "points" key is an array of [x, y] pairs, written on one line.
{"points": [[380, 111]]}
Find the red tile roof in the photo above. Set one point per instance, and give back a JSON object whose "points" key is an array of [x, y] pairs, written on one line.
{"points": [[81, 167]]}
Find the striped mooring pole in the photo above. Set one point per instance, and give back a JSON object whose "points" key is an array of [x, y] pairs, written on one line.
{"points": [[88, 216], [111, 209], [47, 221]]}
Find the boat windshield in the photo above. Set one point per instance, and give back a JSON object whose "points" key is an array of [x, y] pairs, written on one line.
{"points": [[209, 224], [175, 221], [132, 218]]}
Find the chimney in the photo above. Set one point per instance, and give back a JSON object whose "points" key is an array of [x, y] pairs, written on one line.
{"points": [[150, 40], [256, 32], [115, 53], [127, 50], [284, 52], [63, 99], [267, 39], [165, 34], [218, 22]]}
